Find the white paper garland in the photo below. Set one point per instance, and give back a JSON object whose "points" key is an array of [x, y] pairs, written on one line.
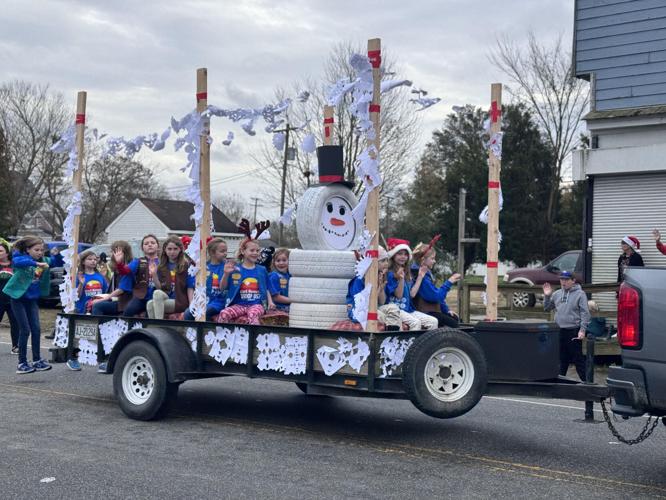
{"points": [[392, 353], [289, 357], [61, 333]]}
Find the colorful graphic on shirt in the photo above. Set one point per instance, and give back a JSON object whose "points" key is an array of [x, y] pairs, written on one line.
{"points": [[38, 274], [92, 288], [249, 290], [6, 272], [172, 276]]}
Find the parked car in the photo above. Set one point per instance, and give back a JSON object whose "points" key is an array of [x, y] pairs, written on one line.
{"points": [[57, 274], [568, 261]]}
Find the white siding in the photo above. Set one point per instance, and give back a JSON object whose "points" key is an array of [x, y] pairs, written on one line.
{"points": [[136, 222], [625, 205]]}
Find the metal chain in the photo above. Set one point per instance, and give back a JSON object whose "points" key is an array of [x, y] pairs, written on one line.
{"points": [[648, 428]]}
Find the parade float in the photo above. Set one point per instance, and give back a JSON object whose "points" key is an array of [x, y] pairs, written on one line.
{"points": [[444, 372]]}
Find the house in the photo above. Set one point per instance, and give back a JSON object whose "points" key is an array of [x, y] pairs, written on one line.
{"points": [[167, 217], [37, 223], [620, 48]]}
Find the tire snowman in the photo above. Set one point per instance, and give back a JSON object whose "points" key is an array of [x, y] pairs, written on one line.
{"points": [[327, 231]]}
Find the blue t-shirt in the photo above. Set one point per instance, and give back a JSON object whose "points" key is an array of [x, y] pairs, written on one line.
{"points": [[93, 284], [405, 303], [278, 284], [214, 275], [247, 286]]}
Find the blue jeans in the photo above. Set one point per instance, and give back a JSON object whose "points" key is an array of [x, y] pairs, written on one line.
{"points": [[26, 312], [105, 308], [135, 307], [210, 312]]}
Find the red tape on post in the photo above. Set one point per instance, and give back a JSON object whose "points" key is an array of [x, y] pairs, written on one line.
{"points": [[327, 132], [202, 95], [493, 184], [372, 316], [374, 108], [372, 253], [375, 57], [80, 119], [328, 120], [491, 265]]}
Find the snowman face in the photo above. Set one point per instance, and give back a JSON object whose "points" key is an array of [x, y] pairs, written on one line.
{"points": [[337, 224]]}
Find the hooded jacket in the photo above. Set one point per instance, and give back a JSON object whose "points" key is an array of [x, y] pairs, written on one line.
{"points": [[570, 306]]}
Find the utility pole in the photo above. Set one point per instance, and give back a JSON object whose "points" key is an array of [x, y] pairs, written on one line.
{"points": [[256, 201], [286, 130]]}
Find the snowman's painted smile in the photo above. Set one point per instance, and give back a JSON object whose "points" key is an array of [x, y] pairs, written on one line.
{"points": [[335, 233]]}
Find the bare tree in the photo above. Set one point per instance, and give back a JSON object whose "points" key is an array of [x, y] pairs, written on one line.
{"points": [[31, 119], [544, 82], [399, 129], [233, 206]]}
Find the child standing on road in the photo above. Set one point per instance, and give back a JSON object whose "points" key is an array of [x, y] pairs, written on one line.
{"points": [[217, 255], [398, 290], [572, 316], [6, 272], [31, 279], [246, 285], [278, 280], [173, 286], [429, 298]]}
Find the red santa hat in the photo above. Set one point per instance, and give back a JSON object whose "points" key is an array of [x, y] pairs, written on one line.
{"points": [[396, 244], [633, 242]]}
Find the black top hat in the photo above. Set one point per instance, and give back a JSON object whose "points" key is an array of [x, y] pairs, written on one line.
{"points": [[331, 167]]}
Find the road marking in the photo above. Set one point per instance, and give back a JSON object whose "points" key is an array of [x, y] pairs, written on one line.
{"points": [[513, 400]]}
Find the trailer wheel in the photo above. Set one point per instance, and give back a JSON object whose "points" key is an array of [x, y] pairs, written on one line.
{"points": [[140, 382], [444, 373]]}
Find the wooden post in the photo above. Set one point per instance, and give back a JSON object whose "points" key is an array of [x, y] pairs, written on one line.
{"points": [[204, 178], [76, 179], [372, 210], [328, 125], [494, 167]]}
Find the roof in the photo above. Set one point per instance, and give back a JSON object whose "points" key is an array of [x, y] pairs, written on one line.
{"points": [[175, 214], [625, 113]]}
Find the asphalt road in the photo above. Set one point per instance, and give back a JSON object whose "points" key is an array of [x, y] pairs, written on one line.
{"points": [[62, 435]]}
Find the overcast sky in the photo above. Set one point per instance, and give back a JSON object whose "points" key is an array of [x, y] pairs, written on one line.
{"points": [[137, 59]]}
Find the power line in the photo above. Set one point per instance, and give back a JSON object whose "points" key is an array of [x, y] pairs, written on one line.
{"points": [[232, 177]]}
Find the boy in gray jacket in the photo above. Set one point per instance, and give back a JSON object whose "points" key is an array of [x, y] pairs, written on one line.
{"points": [[572, 316]]}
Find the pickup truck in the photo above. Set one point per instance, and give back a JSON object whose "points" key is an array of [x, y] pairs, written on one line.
{"points": [[638, 386]]}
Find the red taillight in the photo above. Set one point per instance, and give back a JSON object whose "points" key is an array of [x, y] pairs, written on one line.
{"points": [[628, 316]]}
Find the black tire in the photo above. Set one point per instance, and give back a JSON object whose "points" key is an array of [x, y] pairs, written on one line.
{"points": [[523, 300], [451, 386], [140, 382]]}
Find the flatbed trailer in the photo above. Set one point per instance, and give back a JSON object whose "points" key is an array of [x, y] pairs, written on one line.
{"points": [[444, 372]]}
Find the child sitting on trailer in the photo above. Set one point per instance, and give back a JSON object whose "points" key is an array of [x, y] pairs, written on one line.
{"points": [[429, 298], [112, 304], [138, 277], [173, 286], [246, 283], [278, 280], [389, 314], [398, 290], [217, 258], [89, 282]]}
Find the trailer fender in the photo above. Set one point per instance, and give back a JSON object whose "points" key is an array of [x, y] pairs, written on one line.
{"points": [[174, 349]]}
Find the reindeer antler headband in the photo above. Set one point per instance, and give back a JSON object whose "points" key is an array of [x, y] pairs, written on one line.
{"points": [[259, 227]]}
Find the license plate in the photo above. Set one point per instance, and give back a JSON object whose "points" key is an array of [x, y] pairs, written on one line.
{"points": [[86, 331]]}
